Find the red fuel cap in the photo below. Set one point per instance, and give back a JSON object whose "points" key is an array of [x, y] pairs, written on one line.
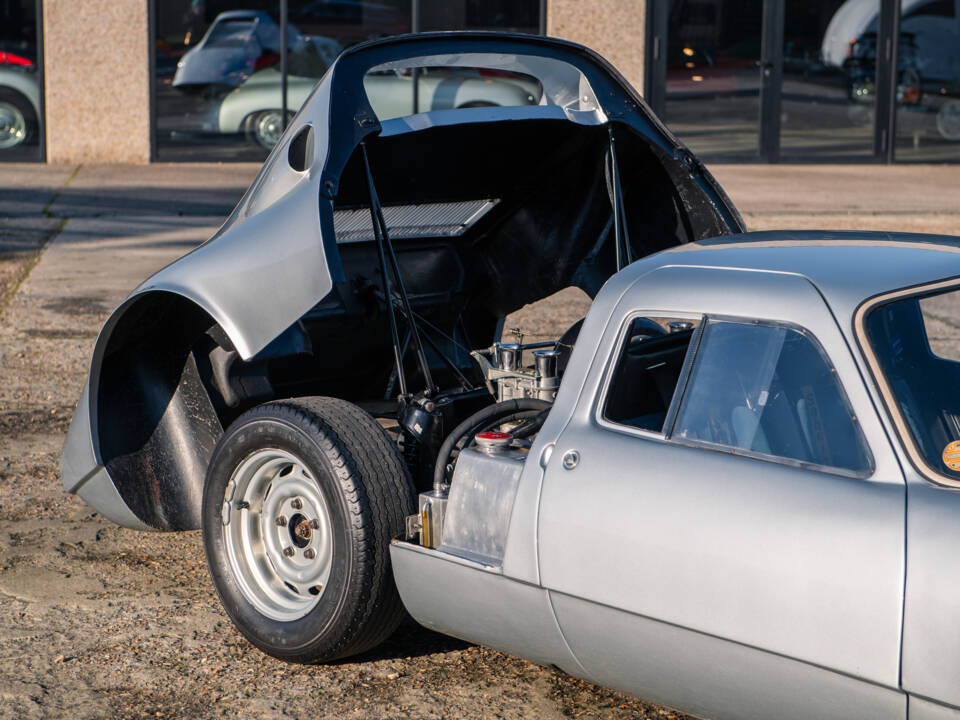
{"points": [[493, 435], [493, 440]]}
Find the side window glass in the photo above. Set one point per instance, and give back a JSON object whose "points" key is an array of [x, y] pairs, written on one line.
{"points": [[649, 366], [770, 390]]}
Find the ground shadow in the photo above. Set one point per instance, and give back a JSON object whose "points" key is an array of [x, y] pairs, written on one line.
{"points": [[411, 640]]}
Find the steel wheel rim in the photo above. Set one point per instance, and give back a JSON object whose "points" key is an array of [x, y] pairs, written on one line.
{"points": [[948, 121], [13, 126], [269, 128], [278, 534]]}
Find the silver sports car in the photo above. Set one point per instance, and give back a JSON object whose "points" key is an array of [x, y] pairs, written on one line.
{"points": [[732, 488]]}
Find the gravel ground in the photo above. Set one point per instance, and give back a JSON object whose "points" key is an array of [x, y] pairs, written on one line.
{"points": [[101, 622], [97, 621]]}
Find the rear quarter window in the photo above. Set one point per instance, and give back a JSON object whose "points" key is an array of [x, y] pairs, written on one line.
{"points": [[650, 363]]}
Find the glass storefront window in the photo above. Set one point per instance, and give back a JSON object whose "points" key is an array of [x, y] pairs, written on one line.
{"points": [[713, 76], [218, 82], [928, 95], [829, 69], [827, 95], [503, 15], [20, 90]]}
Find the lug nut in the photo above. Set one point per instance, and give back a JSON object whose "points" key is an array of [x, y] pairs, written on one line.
{"points": [[309, 554], [288, 551], [281, 521], [315, 524], [296, 503]]}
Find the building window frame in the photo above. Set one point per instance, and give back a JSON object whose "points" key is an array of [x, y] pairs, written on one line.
{"points": [[771, 69]]}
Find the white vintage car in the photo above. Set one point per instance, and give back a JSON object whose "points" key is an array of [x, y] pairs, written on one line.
{"points": [[255, 107], [19, 107], [235, 46]]}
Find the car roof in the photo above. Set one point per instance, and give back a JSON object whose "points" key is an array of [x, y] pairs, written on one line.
{"points": [[847, 267], [242, 15]]}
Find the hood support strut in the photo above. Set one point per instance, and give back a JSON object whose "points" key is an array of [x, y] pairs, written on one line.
{"points": [[385, 252], [620, 236]]}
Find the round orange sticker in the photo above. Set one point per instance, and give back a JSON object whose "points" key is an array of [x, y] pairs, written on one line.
{"points": [[951, 455]]}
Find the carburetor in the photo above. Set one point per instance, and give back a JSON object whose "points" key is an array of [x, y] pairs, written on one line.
{"points": [[502, 366]]}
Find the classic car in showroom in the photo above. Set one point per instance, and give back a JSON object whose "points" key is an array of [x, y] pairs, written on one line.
{"points": [[19, 103], [238, 43], [732, 488], [255, 108]]}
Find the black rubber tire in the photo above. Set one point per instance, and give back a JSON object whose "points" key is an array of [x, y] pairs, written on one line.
{"points": [[369, 492]]}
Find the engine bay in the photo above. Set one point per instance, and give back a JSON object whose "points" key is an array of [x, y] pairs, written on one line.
{"points": [[478, 465]]}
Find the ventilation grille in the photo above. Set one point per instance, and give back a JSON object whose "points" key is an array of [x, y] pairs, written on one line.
{"points": [[431, 220]]}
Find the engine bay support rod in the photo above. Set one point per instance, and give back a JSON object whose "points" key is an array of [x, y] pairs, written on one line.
{"points": [[387, 290], [620, 235], [464, 380], [376, 211]]}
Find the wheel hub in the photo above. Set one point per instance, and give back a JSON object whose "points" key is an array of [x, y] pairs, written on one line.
{"points": [[948, 120], [278, 534], [300, 531], [13, 126], [269, 129]]}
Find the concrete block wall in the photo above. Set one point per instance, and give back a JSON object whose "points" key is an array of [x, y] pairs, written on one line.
{"points": [[614, 28], [97, 81]]}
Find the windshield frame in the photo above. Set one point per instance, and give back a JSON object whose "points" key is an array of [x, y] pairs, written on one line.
{"points": [[909, 444]]}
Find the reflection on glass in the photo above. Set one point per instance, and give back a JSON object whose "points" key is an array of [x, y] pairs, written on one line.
{"points": [[829, 69], [218, 90], [350, 21], [205, 49], [504, 15], [713, 77], [219, 87], [928, 102], [397, 92], [236, 45], [19, 82]]}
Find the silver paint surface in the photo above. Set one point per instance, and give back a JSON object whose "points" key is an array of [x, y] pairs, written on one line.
{"points": [[478, 604]]}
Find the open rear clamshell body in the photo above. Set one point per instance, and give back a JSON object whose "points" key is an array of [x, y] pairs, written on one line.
{"points": [[496, 191]]}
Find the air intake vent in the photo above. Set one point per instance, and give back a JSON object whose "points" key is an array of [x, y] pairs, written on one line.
{"points": [[431, 220]]}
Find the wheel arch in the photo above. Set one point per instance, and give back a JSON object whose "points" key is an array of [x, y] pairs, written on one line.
{"points": [[153, 419]]}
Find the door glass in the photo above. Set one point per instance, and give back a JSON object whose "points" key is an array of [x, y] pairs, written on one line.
{"points": [[713, 76], [649, 367], [20, 120], [769, 391], [829, 69], [928, 92]]}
